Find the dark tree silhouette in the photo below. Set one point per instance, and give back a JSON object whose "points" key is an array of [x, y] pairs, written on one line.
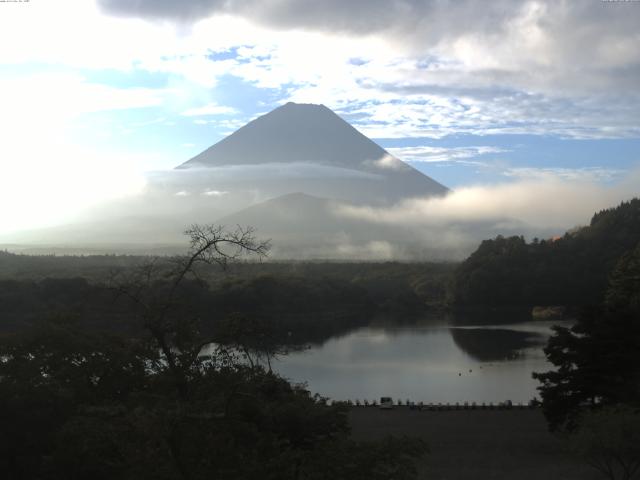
{"points": [[609, 441], [596, 360], [156, 290]]}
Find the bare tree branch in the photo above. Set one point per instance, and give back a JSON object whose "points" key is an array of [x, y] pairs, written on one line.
{"points": [[153, 289]]}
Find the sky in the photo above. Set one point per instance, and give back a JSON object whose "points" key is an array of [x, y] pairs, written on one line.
{"points": [[480, 96]]}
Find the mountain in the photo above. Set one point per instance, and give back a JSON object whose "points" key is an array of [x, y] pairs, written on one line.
{"points": [[303, 225], [288, 173], [308, 148], [292, 133]]}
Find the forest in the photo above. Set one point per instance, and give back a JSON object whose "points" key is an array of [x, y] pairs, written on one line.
{"points": [[313, 301], [571, 270]]}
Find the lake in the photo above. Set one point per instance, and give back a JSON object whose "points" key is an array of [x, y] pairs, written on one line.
{"points": [[425, 362]]}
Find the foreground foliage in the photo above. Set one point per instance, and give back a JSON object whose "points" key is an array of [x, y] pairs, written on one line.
{"points": [[609, 441], [594, 393], [596, 360], [166, 404], [81, 405]]}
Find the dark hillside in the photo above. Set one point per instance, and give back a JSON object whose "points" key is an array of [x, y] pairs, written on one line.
{"points": [[571, 270]]}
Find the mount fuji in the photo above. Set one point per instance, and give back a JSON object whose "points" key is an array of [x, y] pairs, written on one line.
{"points": [[308, 148], [288, 173]]}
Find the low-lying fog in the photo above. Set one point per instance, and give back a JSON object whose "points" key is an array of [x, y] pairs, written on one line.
{"points": [[336, 212]]}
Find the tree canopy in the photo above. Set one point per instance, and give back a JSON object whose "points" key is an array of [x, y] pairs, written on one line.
{"points": [[570, 270]]}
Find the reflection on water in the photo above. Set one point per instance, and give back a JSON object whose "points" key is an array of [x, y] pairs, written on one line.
{"points": [[430, 363], [486, 344]]}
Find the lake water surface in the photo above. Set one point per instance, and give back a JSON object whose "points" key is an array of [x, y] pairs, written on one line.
{"points": [[429, 363]]}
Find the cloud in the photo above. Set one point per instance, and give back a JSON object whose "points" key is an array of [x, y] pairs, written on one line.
{"points": [[209, 109], [387, 162], [429, 154], [501, 39], [259, 171], [46, 182], [214, 193], [423, 68], [365, 17], [376, 250], [227, 126], [434, 114], [164, 9], [547, 205], [66, 95], [585, 174]]}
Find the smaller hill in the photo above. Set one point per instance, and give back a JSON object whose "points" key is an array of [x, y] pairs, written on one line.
{"points": [[305, 226]]}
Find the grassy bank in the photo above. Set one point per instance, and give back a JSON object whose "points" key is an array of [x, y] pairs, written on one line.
{"points": [[476, 444]]}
